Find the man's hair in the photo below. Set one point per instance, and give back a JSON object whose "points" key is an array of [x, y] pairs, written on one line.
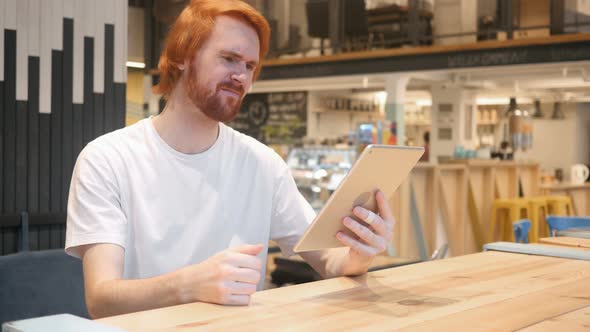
{"points": [[194, 26]]}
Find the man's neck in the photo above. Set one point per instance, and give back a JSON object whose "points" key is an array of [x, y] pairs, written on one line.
{"points": [[184, 127]]}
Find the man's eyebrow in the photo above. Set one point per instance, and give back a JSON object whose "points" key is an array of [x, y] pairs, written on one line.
{"points": [[239, 56]]}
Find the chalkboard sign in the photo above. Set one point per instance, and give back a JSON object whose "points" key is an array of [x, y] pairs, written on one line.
{"points": [[273, 118]]}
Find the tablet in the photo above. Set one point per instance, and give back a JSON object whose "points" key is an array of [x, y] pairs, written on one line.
{"points": [[382, 167]]}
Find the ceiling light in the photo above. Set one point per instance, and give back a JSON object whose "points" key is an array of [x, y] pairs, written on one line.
{"points": [[134, 64], [538, 113], [423, 102], [490, 101], [513, 108], [381, 97], [557, 113]]}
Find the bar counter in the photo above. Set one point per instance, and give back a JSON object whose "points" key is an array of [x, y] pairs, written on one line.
{"points": [[579, 193]]}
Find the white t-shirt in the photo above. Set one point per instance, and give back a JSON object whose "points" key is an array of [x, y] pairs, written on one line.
{"points": [[169, 210]]}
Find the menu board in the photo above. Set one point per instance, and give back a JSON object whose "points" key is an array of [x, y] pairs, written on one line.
{"points": [[273, 118]]}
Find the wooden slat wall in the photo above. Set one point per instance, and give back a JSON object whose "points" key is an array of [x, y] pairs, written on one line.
{"points": [[454, 203], [62, 84]]}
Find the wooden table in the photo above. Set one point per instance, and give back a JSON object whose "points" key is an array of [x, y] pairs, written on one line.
{"points": [[567, 241], [572, 322], [487, 291], [580, 233]]}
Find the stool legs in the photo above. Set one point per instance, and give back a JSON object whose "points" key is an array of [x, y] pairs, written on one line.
{"points": [[505, 213], [543, 228], [533, 215], [569, 209], [514, 216], [561, 206], [559, 210], [505, 216], [492, 225]]}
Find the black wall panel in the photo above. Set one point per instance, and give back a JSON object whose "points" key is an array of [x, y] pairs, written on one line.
{"points": [[88, 113], [21, 155], [98, 99], [1, 147], [67, 109], [56, 126], [33, 137], [8, 238], [109, 64], [120, 99], [44, 162], [77, 129], [9, 111], [38, 151]]}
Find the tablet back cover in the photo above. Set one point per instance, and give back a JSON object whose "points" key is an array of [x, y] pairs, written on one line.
{"points": [[382, 167]]}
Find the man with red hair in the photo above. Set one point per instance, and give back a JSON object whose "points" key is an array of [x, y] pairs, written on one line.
{"points": [[177, 208]]}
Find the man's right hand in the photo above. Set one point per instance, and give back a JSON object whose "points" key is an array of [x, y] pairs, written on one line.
{"points": [[229, 277]]}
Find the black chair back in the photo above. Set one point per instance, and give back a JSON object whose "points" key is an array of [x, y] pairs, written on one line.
{"points": [[40, 283]]}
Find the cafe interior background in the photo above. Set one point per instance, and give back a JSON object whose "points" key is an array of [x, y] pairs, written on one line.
{"points": [[382, 73], [501, 88]]}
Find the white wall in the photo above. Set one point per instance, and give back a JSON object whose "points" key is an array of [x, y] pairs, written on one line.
{"points": [[462, 101], [332, 124], [560, 143]]}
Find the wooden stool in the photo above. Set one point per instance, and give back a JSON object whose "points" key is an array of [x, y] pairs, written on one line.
{"points": [[560, 205], [510, 210], [536, 214]]}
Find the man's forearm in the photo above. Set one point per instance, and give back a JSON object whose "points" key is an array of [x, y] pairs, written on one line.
{"points": [[116, 297], [336, 262]]}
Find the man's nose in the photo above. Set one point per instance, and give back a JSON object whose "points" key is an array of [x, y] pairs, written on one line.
{"points": [[239, 78]]}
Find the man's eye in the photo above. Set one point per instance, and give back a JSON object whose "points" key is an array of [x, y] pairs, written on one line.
{"points": [[250, 67], [228, 59]]}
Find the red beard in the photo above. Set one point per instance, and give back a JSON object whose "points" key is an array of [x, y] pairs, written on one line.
{"points": [[211, 103]]}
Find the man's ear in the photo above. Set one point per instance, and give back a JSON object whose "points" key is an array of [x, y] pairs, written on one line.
{"points": [[182, 66]]}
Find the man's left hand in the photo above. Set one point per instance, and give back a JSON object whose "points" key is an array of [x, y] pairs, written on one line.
{"points": [[374, 238]]}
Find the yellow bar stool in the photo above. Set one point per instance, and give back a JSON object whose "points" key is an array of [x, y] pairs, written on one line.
{"points": [[560, 205], [537, 213], [510, 210]]}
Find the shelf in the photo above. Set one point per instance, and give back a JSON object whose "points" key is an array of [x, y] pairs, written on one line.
{"points": [[417, 124], [486, 123], [322, 110]]}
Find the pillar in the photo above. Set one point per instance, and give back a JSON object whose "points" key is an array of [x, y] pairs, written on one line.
{"points": [[453, 120], [395, 87]]}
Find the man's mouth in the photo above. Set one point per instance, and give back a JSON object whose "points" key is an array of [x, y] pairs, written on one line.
{"points": [[232, 92]]}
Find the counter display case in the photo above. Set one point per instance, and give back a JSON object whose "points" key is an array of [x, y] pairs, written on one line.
{"points": [[319, 170]]}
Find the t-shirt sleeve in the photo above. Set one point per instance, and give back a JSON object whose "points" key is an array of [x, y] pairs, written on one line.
{"points": [[94, 207], [291, 214]]}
